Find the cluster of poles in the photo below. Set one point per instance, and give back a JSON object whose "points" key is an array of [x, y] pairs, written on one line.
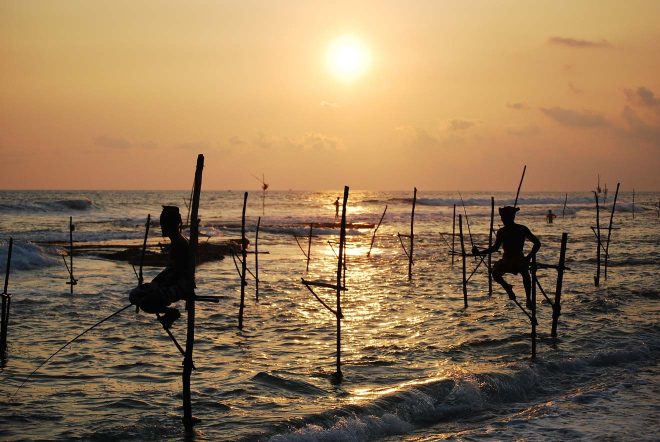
{"points": [[337, 286]]}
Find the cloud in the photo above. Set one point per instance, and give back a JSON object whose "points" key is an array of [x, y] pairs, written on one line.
{"points": [[572, 118], [639, 129], [194, 145], [579, 44], [460, 124], [418, 138], [574, 89], [329, 104], [112, 142], [643, 96], [319, 142], [517, 106]]}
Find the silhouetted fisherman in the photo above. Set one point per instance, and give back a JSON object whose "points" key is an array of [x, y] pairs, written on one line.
{"points": [[550, 217], [336, 203], [512, 239], [175, 282]]}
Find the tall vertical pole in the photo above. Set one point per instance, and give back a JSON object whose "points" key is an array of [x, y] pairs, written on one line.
{"points": [[460, 235], [72, 280], [309, 245], [188, 420], [412, 235], [598, 243], [563, 211], [453, 236], [144, 249], [490, 243], [243, 264], [533, 296], [340, 270], [609, 230], [633, 206], [6, 303], [556, 306], [515, 203], [256, 259]]}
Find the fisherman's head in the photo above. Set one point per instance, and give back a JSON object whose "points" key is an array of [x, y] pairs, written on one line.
{"points": [[508, 214], [170, 220]]}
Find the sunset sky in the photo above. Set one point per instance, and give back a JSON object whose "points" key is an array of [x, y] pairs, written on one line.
{"points": [[442, 95]]}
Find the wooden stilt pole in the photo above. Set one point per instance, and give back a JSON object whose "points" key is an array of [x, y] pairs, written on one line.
{"points": [[144, 249], [453, 236], [609, 229], [412, 235], [563, 211], [243, 264], [340, 272], [515, 203], [633, 205], [460, 235], [256, 259], [309, 245], [373, 237], [72, 280], [6, 304], [556, 306], [188, 419], [533, 296], [598, 243], [490, 243]]}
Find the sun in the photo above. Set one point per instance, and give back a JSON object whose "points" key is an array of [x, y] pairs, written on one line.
{"points": [[348, 58]]}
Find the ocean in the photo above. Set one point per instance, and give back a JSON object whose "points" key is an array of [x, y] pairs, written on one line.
{"points": [[417, 365]]}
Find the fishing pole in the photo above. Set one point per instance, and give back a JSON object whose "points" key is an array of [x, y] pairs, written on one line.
{"points": [[515, 203], [67, 344], [466, 219]]}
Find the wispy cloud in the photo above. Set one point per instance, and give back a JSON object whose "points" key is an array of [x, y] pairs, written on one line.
{"points": [[456, 125], [639, 129], [329, 104], [573, 118], [643, 96], [193, 145], [579, 44], [573, 88], [517, 106], [109, 142]]}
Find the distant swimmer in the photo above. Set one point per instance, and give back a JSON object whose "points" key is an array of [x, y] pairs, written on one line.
{"points": [[336, 207], [175, 282], [549, 217], [512, 239]]}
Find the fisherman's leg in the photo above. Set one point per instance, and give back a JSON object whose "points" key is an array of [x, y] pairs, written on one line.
{"points": [[149, 299], [498, 273]]}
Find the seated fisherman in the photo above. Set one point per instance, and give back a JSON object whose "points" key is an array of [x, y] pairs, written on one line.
{"points": [[512, 239], [175, 282]]}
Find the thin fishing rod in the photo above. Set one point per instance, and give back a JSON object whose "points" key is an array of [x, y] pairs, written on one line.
{"points": [[466, 219], [67, 344], [515, 203]]}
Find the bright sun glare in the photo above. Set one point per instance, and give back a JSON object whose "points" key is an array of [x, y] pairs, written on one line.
{"points": [[348, 58]]}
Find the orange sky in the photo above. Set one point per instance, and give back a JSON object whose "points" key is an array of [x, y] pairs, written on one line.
{"points": [[458, 94]]}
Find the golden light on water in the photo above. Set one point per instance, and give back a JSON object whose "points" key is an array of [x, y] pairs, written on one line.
{"points": [[348, 58]]}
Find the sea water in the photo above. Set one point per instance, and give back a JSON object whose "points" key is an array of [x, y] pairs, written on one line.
{"points": [[417, 365]]}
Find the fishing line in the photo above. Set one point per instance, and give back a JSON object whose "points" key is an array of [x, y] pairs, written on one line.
{"points": [[67, 344]]}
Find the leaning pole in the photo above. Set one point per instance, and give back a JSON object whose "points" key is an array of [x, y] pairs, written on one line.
{"points": [[188, 420]]}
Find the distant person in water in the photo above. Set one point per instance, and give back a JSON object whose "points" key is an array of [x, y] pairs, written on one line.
{"points": [[549, 217], [175, 282], [336, 207], [512, 239]]}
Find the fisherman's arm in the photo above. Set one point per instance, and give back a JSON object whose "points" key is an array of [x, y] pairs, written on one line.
{"points": [[494, 248], [536, 244]]}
